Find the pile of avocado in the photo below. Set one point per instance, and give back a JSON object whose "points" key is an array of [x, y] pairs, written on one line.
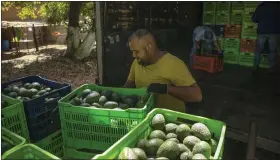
{"points": [[108, 99], [5, 146], [172, 141], [27, 91]]}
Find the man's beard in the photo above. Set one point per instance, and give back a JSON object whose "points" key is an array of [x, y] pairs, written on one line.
{"points": [[142, 63]]}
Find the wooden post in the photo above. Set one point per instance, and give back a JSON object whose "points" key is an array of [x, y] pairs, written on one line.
{"points": [[34, 37]]}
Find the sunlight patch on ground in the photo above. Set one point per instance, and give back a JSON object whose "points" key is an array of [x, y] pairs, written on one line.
{"points": [[27, 59]]}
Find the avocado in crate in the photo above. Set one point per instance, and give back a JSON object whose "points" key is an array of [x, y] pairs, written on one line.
{"points": [[95, 117], [10, 141], [108, 99], [167, 134], [27, 91], [13, 116]]}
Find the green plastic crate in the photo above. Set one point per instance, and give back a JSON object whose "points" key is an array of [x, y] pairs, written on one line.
{"points": [[251, 4], [222, 18], [13, 117], [218, 129], [221, 42], [28, 151], [264, 61], [223, 7], [231, 44], [236, 18], [231, 57], [70, 153], [237, 7], [11, 138], [98, 128], [246, 59], [209, 7], [53, 144], [247, 17], [208, 18], [249, 31]]}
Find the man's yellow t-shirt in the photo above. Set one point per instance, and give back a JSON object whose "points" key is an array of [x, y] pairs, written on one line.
{"points": [[167, 70]]}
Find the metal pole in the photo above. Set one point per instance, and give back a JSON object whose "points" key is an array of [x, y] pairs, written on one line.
{"points": [[251, 141], [99, 41]]}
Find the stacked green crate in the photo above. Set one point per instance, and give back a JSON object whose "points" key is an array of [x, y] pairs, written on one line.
{"points": [[246, 59], [231, 50], [209, 10], [221, 42], [249, 28], [223, 13], [237, 9]]}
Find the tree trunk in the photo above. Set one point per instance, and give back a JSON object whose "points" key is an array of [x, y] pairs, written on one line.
{"points": [[73, 33]]}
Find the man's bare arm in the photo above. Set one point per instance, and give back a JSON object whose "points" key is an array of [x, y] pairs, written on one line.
{"points": [[129, 84], [185, 93]]}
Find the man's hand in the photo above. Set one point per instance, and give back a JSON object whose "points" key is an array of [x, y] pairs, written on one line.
{"points": [[157, 88]]}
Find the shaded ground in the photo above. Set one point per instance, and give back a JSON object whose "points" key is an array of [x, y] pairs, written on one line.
{"points": [[48, 62]]}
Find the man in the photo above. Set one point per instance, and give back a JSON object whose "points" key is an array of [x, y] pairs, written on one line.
{"points": [[162, 73], [268, 31], [207, 36]]}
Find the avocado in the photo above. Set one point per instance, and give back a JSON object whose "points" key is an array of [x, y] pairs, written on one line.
{"points": [[85, 93], [115, 97], [25, 98], [127, 153], [92, 97], [169, 149], [190, 141], [158, 122], [186, 155], [173, 139], [107, 94], [161, 158], [7, 90], [171, 135], [77, 101], [129, 101], [33, 92], [213, 143], [118, 109], [199, 157], [36, 85], [202, 147], [157, 134], [201, 131], [15, 89], [153, 145], [23, 92], [141, 155], [123, 106], [183, 148], [41, 92], [13, 94], [183, 131], [85, 105], [27, 85], [142, 143], [171, 128], [102, 100], [97, 105], [48, 89], [92, 107], [110, 105], [36, 96]]}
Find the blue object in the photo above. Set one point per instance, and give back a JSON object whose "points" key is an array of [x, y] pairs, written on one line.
{"points": [[42, 116], [5, 45]]}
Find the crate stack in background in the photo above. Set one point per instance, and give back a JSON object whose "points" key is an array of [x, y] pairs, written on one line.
{"points": [[235, 30], [39, 97]]}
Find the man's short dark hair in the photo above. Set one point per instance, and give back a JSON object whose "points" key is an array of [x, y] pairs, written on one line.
{"points": [[140, 33]]}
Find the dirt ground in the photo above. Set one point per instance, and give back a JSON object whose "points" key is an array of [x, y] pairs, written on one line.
{"points": [[48, 62]]}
